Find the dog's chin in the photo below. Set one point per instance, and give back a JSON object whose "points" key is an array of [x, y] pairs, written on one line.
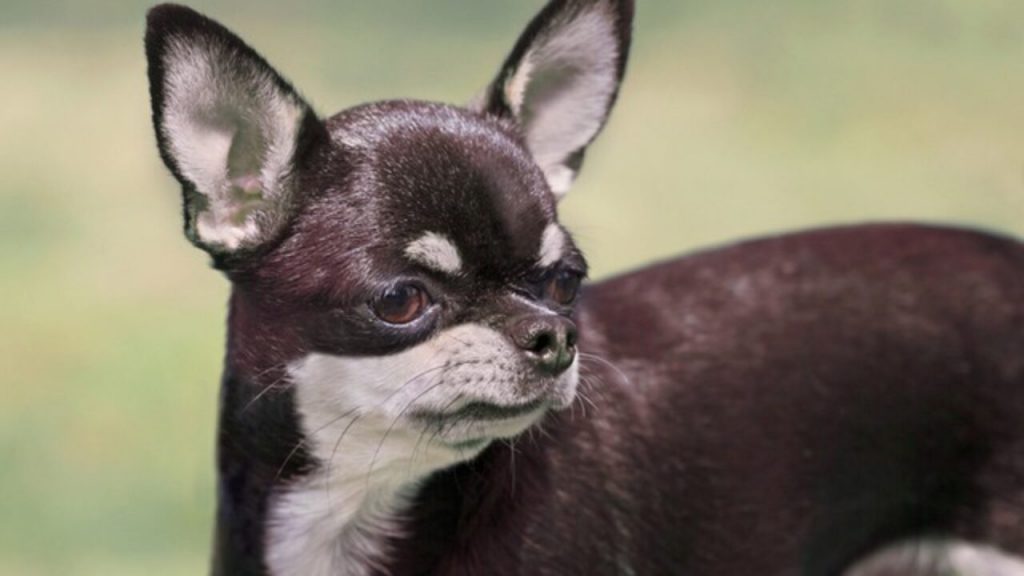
{"points": [[469, 431], [474, 424]]}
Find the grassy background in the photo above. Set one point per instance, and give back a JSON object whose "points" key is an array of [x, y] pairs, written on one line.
{"points": [[738, 119]]}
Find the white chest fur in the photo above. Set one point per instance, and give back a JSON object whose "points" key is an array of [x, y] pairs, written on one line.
{"points": [[354, 414], [337, 521]]}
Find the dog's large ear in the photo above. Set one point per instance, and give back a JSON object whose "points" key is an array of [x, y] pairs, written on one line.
{"points": [[561, 80], [229, 128]]}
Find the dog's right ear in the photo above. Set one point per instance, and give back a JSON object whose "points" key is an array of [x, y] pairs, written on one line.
{"points": [[228, 126]]}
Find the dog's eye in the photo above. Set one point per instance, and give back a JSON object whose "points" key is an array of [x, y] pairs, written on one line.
{"points": [[563, 287], [401, 304]]}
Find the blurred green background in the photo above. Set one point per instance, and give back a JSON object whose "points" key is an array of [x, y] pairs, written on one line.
{"points": [[738, 119]]}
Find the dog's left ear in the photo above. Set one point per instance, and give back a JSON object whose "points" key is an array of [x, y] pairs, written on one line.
{"points": [[561, 80]]}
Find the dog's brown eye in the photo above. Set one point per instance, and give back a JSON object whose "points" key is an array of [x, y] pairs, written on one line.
{"points": [[563, 287], [401, 304]]}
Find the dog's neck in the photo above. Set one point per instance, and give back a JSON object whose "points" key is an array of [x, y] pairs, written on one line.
{"points": [[281, 509], [331, 489], [339, 519], [338, 522]]}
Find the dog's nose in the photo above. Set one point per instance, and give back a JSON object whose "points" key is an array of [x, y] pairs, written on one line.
{"points": [[548, 340]]}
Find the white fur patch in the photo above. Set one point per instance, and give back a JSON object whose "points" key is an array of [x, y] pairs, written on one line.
{"points": [[563, 89], [515, 88], [940, 558], [231, 132], [560, 178], [355, 416], [435, 251], [552, 245], [970, 560]]}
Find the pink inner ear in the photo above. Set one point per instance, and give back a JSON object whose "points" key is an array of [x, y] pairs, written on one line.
{"points": [[248, 184]]}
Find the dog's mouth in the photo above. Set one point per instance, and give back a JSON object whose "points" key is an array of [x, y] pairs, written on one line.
{"points": [[482, 412], [474, 425]]}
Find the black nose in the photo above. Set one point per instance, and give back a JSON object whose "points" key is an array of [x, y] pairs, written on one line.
{"points": [[548, 340]]}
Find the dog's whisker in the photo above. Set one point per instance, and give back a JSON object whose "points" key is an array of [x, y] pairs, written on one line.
{"points": [[436, 431], [379, 405], [276, 384], [302, 442], [583, 392], [512, 463], [334, 452], [584, 397], [595, 358], [269, 387], [391, 427]]}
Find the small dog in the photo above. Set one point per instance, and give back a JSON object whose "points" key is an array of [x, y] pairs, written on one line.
{"points": [[406, 336]]}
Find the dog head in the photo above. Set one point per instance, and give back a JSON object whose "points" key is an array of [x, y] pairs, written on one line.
{"points": [[400, 261]]}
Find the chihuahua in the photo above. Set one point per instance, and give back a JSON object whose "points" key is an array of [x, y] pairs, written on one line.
{"points": [[416, 384]]}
